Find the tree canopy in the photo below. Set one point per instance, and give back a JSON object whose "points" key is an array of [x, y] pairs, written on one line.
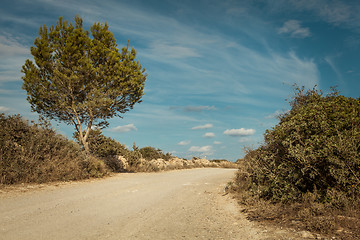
{"points": [[80, 79]]}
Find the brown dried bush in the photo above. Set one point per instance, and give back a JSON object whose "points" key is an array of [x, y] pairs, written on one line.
{"points": [[36, 153]]}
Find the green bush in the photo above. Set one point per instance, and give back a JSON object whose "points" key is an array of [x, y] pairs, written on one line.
{"points": [[103, 146], [133, 158], [314, 148], [36, 153], [150, 153], [106, 148]]}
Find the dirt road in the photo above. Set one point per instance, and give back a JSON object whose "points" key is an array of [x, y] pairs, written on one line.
{"points": [[187, 204]]}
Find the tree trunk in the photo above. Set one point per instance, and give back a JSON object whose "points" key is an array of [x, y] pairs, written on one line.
{"points": [[86, 146], [83, 138]]}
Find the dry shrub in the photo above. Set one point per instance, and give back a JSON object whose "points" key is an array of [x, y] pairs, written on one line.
{"points": [[223, 163], [36, 153], [114, 164], [94, 167]]}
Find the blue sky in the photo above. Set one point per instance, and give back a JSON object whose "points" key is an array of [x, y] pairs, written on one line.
{"points": [[218, 71]]}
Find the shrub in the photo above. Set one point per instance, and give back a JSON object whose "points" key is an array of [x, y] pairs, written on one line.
{"points": [[106, 148], [103, 146], [134, 158], [36, 153], [150, 153], [314, 148]]}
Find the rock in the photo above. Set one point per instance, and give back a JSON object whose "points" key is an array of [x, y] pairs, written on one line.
{"points": [[307, 234]]}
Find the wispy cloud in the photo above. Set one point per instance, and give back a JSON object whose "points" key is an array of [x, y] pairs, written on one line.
{"points": [[205, 126], [158, 112], [194, 108], [166, 50], [13, 55], [345, 13], [184, 143], [4, 109], [10, 47], [217, 142], [330, 61], [164, 39], [276, 114], [198, 108], [209, 135], [239, 132], [294, 29], [125, 128]]}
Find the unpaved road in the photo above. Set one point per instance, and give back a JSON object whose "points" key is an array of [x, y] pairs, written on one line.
{"points": [[186, 204]]}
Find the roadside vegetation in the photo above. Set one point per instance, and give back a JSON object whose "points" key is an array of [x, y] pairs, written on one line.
{"points": [[35, 153], [119, 158], [307, 172]]}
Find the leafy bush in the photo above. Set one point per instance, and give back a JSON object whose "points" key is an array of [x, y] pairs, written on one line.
{"points": [[106, 148], [306, 175], [314, 148], [150, 153], [134, 158], [36, 153], [103, 146]]}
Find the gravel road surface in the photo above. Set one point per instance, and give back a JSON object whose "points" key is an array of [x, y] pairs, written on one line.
{"points": [[185, 204]]}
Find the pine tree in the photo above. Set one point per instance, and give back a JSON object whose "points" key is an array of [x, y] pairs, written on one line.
{"points": [[82, 80]]}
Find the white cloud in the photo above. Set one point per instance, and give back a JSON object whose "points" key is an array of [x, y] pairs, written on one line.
{"points": [[209, 135], [4, 109], [172, 51], [13, 55], [198, 108], [203, 149], [10, 47], [95, 128], [205, 126], [239, 132], [276, 114], [125, 128], [217, 142], [194, 108], [184, 143], [338, 13], [293, 27]]}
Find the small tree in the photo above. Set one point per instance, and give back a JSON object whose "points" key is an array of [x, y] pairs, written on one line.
{"points": [[82, 80]]}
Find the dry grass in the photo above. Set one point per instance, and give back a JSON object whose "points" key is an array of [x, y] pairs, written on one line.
{"points": [[323, 219]]}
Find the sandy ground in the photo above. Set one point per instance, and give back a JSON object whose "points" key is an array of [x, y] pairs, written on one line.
{"points": [[186, 204]]}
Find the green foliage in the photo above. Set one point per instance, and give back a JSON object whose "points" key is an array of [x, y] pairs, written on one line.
{"points": [[106, 148], [133, 157], [314, 148], [103, 146], [36, 153], [82, 80], [150, 153]]}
